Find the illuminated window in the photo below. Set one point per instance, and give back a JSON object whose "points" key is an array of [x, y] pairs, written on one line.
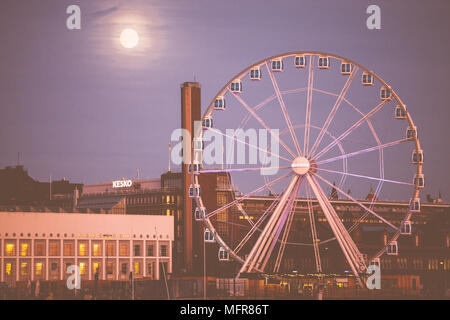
{"points": [[24, 249], [97, 250], [10, 249], [137, 268], [38, 268], [83, 268], [24, 268], [150, 269], [8, 268], [96, 266], [168, 212], [168, 199], [82, 250]]}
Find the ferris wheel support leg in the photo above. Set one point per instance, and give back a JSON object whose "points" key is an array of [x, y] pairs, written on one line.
{"points": [[273, 233], [347, 245], [286, 231], [250, 261], [264, 258], [313, 230]]}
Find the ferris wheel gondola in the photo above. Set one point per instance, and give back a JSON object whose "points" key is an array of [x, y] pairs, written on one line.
{"points": [[308, 166]]}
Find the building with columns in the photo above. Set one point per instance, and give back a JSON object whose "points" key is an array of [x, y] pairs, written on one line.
{"points": [[42, 245]]}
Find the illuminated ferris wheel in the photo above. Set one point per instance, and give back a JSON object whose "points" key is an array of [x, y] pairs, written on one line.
{"points": [[333, 120]]}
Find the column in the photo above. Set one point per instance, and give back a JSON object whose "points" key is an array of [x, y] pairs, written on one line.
{"points": [[117, 259], [90, 259], [103, 259], [61, 260], [47, 250], [32, 259], [157, 258], [17, 259]]}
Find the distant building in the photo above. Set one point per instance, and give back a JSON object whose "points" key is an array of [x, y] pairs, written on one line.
{"points": [[17, 188]]}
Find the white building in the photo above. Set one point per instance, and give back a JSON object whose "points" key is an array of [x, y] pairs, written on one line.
{"points": [[36, 245]]}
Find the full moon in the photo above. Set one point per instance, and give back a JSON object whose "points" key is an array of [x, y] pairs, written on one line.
{"points": [[129, 38]]}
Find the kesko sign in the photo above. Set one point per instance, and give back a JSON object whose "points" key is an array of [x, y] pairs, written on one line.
{"points": [[122, 184]]}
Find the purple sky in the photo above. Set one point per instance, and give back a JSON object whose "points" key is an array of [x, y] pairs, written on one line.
{"points": [[76, 104]]}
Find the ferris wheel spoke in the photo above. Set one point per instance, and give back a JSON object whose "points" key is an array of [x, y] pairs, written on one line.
{"points": [[308, 105], [366, 177], [287, 228], [266, 252], [358, 203], [334, 110], [248, 144], [350, 130], [284, 110], [267, 235], [232, 203], [265, 102], [243, 169], [352, 154], [348, 247], [312, 221], [257, 224], [261, 121], [256, 108]]}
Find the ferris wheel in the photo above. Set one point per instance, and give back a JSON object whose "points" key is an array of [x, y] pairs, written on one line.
{"points": [[333, 120]]}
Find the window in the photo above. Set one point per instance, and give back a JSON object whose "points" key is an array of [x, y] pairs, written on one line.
{"points": [[82, 250], [137, 250], [96, 266], [24, 268], [10, 249], [137, 268], [109, 268], [97, 249], [8, 268], [110, 249], [123, 268], [54, 248], [123, 249], [163, 250], [150, 251], [68, 249], [40, 249], [54, 266], [150, 269], [24, 249], [38, 268], [83, 268]]}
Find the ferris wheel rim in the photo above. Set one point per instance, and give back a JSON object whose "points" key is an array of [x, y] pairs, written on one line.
{"points": [[395, 96]]}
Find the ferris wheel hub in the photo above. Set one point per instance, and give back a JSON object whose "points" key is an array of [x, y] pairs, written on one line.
{"points": [[300, 165]]}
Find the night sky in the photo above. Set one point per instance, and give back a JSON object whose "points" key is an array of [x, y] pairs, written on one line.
{"points": [[76, 104]]}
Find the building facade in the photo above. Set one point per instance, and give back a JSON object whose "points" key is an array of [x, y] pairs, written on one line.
{"points": [[36, 245]]}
